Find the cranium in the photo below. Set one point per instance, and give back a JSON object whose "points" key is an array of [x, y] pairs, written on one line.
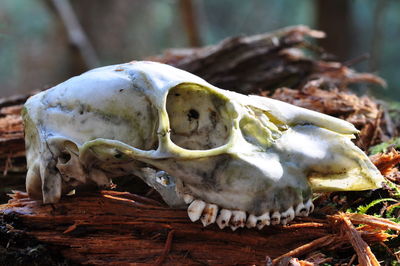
{"points": [[228, 155]]}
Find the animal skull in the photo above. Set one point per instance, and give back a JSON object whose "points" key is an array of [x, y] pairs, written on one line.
{"points": [[228, 155]]}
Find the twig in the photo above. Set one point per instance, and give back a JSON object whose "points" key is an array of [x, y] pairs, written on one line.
{"points": [[132, 197], [71, 228], [364, 253], [318, 243], [8, 164], [75, 32], [167, 248], [388, 250], [304, 225], [353, 258], [376, 126], [356, 60]]}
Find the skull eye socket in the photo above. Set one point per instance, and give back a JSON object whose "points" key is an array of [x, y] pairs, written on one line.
{"points": [[198, 117]]}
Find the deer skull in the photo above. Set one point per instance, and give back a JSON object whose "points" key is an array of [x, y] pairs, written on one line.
{"points": [[228, 155]]}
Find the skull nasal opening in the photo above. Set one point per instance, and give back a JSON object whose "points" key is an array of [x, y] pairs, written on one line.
{"points": [[198, 117]]}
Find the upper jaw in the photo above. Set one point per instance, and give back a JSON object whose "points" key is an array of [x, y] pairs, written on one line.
{"points": [[209, 213]]}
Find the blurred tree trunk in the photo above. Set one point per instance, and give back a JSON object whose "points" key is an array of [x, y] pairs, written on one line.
{"points": [[377, 34], [334, 18], [103, 27], [191, 22], [74, 63]]}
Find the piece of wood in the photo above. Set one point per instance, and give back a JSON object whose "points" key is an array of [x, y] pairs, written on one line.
{"points": [[362, 111], [100, 229], [12, 146], [251, 64], [364, 253], [109, 227]]}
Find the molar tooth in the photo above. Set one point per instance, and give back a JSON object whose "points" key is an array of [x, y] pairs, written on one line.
{"points": [[187, 198], [195, 209], [275, 218], [223, 218], [209, 214], [233, 227], [291, 213], [263, 220], [287, 216], [251, 221], [301, 210], [284, 218], [238, 219], [310, 206]]}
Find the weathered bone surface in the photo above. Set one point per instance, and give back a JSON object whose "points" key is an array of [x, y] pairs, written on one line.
{"points": [[235, 160]]}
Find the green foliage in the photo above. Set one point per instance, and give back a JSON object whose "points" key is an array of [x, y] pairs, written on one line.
{"points": [[364, 209], [384, 146], [394, 190], [390, 211], [395, 263], [393, 105]]}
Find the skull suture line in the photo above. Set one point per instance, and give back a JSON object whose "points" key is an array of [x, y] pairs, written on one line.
{"points": [[228, 155]]}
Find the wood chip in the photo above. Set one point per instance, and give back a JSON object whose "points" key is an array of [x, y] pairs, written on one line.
{"points": [[386, 162], [364, 253]]}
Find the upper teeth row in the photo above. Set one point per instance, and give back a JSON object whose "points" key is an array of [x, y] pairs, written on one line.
{"points": [[208, 213]]}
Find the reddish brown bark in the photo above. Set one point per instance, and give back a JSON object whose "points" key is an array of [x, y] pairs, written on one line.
{"points": [[109, 227]]}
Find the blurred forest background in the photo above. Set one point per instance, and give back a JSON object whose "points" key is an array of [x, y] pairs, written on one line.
{"points": [[37, 51]]}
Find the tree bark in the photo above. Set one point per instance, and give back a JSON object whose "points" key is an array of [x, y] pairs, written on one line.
{"points": [[109, 228]]}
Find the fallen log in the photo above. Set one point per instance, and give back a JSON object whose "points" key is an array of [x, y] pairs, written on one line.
{"points": [[265, 62], [12, 146], [110, 227]]}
